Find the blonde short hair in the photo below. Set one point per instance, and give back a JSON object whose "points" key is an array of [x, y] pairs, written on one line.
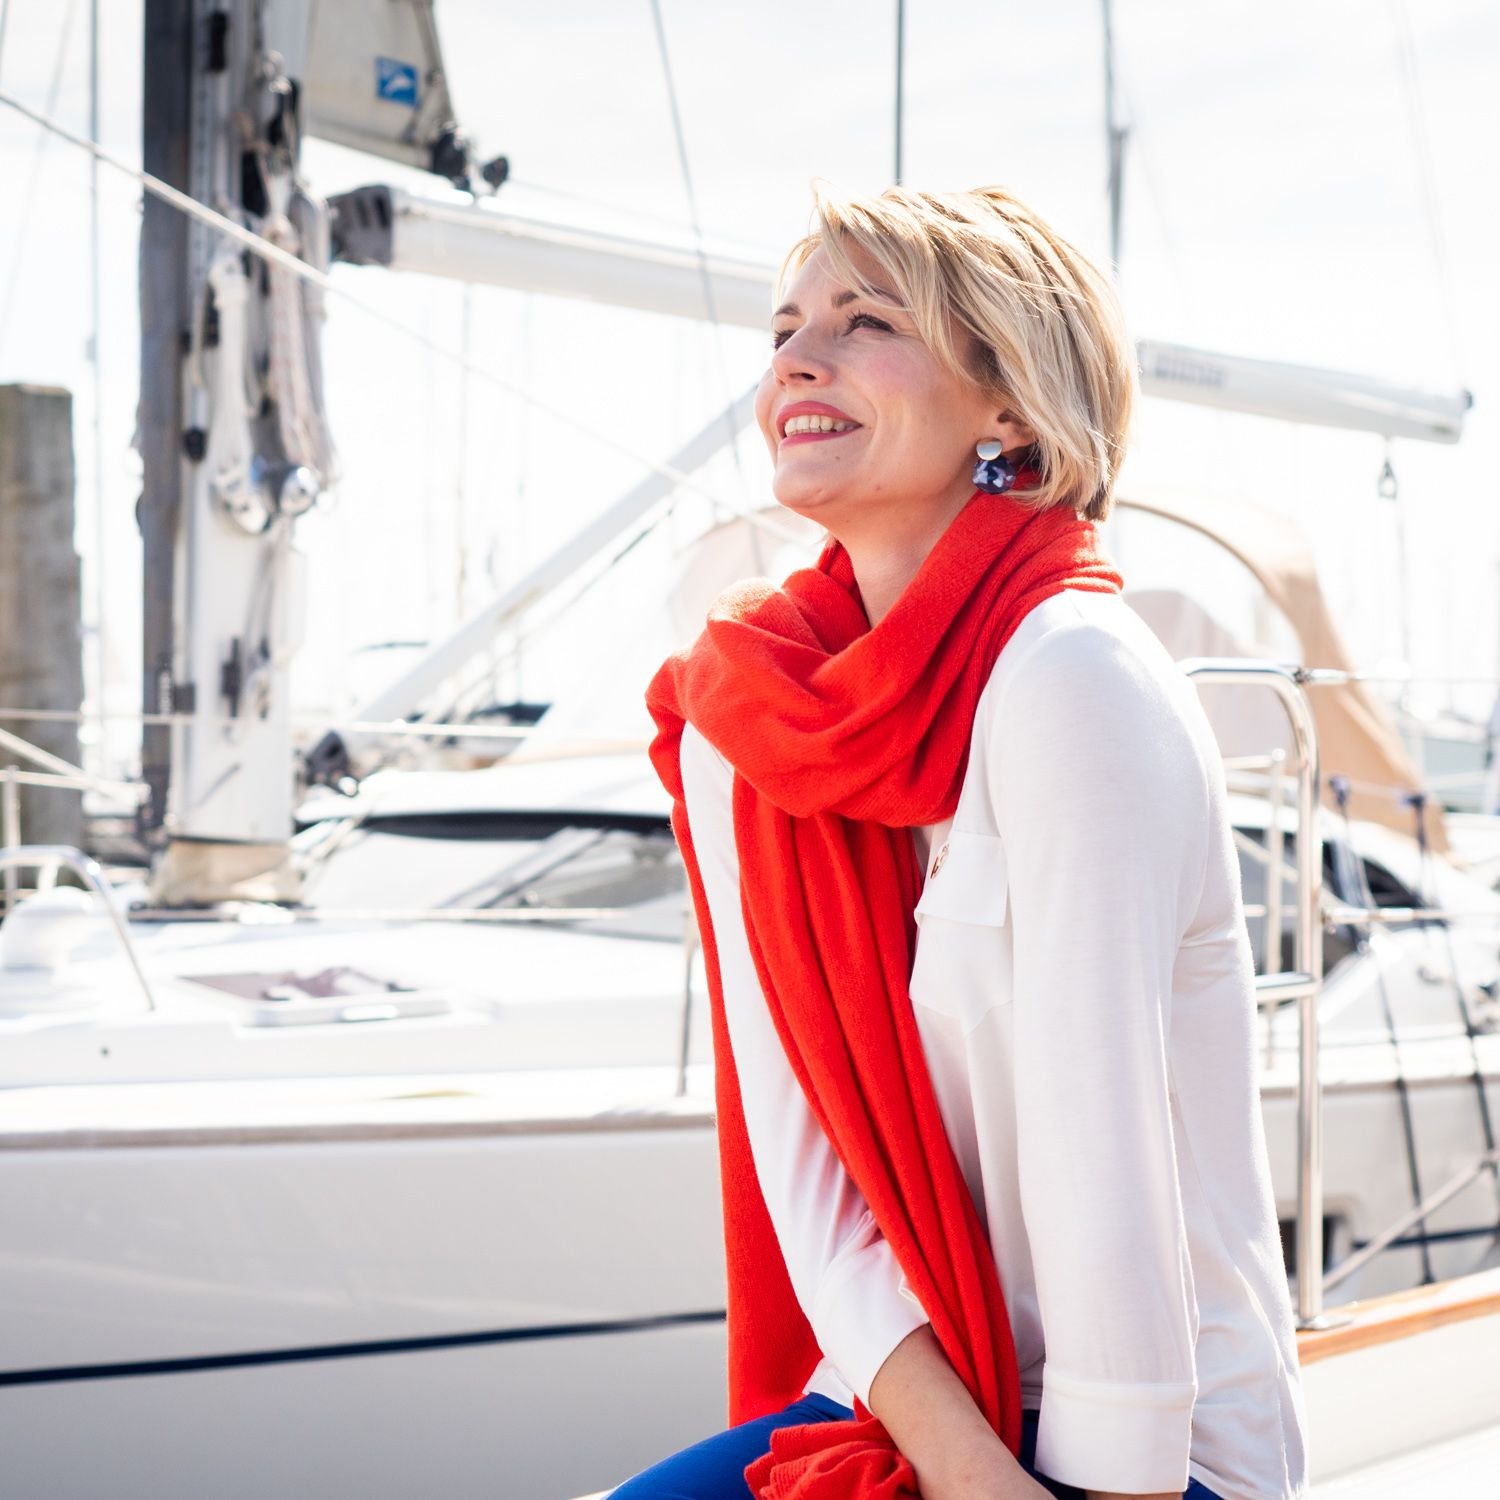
{"points": [[1046, 331]]}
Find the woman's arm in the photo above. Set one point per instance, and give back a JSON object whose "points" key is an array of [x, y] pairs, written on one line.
{"points": [[1102, 801], [932, 1419], [841, 1267]]}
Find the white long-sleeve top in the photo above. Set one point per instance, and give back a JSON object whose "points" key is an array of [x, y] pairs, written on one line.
{"points": [[1083, 987]]}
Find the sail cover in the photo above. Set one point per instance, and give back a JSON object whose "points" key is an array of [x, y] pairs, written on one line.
{"points": [[373, 79]]}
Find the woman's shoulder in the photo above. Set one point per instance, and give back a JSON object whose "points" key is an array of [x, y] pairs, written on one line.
{"points": [[1078, 631], [1084, 660], [1092, 724]]}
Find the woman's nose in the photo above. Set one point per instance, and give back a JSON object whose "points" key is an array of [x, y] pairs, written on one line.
{"points": [[801, 360]]}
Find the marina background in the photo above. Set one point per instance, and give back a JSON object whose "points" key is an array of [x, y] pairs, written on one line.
{"points": [[314, 1133], [1310, 184]]}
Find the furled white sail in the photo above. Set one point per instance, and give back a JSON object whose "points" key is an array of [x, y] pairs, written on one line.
{"points": [[373, 79]]}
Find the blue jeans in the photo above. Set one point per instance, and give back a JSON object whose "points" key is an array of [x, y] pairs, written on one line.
{"points": [[714, 1469]]}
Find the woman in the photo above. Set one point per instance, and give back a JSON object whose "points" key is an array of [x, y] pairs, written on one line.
{"points": [[997, 1208]]}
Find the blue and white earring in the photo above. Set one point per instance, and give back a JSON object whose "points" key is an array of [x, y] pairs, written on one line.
{"points": [[994, 473]]}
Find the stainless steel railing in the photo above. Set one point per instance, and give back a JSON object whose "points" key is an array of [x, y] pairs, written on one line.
{"points": [[1304, 981], [91, 874]]}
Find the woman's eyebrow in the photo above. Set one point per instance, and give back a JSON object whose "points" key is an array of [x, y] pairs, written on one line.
{"points": [[842, 299], [876, 294]]}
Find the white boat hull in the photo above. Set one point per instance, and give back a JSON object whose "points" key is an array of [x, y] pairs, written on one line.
{"points": [[422, 1289], [523, 1313]]}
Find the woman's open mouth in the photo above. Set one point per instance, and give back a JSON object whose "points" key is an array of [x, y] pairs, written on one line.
{"points": [[812, 422]]}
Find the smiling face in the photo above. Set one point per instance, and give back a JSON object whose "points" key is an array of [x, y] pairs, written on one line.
{"points": [[864, 422]]}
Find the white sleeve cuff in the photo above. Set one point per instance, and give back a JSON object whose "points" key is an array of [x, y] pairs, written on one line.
{"points": [[1108, 1436], [857, 1319]]}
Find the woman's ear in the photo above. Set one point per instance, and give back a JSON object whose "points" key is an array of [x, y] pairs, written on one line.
{"points": [[1013, 432]]}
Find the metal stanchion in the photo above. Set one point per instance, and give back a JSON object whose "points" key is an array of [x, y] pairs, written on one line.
{"points": [[1303, 982]]}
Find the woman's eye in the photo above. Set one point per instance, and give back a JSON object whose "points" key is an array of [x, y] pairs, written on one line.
{"points": [[860, 319]]}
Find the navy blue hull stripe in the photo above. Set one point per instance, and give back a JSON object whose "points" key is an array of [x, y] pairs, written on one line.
{"points": [[1436, 1237], [61, 1373]]}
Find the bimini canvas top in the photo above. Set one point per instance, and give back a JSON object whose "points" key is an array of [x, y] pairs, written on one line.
{"points": [[1357, 736]]}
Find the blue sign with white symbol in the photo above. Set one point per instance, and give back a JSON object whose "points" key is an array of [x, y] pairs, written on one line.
{"points": [[396, 81]]}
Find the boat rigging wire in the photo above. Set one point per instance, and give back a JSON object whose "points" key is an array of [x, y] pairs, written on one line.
{"points": [[315, 720], [695, 218], [1355, 879], [452, 711], [54, 88], [1116, 136], [645, 215], [526, 365], [1416, 801], [1137, 135], [1387, 487], [900, 121], [1421, 143], [100, 641], [274, 254]]}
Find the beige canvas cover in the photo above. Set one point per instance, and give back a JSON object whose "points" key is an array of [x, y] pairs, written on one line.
{"points": [[1357, 736]]}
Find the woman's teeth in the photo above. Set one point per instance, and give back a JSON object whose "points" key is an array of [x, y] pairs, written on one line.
{"points": [[816, 424]]}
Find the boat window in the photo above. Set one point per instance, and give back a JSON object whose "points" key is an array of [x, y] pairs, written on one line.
{"points": [[1387, 889], [623, 877], [1341, 878]]}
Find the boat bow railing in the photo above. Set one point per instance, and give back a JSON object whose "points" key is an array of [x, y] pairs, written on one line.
{"points": [[49, 858], [1304, 981]]}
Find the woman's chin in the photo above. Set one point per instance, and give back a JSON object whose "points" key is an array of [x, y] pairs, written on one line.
{"points": [[806, 496]]}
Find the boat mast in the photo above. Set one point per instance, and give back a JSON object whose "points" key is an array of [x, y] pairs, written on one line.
{"points": [[1115, 141], [166, 147], [233, 444], [900, 85], [102, 766]]}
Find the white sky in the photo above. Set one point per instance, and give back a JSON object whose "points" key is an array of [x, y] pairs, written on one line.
{"points": [[1274, 208]]}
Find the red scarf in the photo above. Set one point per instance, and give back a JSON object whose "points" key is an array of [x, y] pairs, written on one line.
{"points": [[842, 738]]}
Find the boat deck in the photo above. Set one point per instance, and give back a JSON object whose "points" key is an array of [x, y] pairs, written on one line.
{"points": [[1466, 1465]]}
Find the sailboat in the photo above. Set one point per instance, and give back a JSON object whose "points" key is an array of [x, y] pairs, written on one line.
{"points": [[378, 1118]]}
